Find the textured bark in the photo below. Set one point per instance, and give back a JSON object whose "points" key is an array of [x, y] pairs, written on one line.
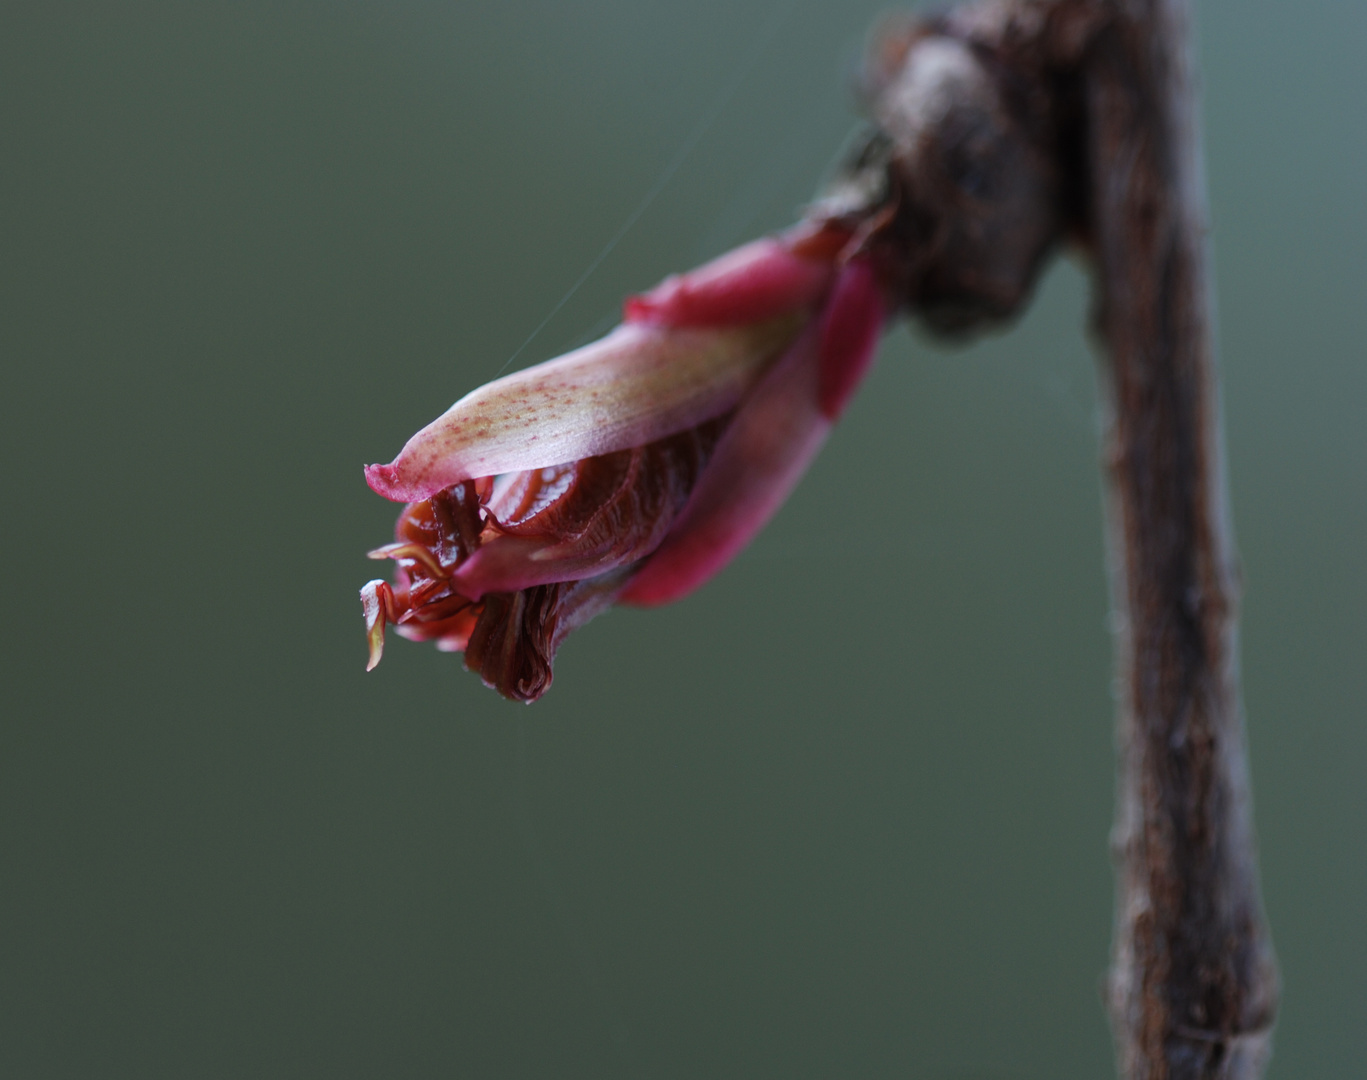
{"points": [[1005, 128], [1193, 986]]}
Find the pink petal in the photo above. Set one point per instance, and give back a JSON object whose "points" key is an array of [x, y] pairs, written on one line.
{"points": [[510, 563], [755, 282], [780, 427], [638, 384]]}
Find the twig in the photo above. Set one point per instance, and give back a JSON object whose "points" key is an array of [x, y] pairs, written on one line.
{"points": [[1004, 128], [1193, 984]]}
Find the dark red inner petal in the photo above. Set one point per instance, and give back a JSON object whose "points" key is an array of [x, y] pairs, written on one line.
{"points": [[510, 645], [514, 642], [614, 507], [526, 494], [448, 524], [559, 501]]}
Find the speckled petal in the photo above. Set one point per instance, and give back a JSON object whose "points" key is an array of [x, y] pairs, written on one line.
{"points": [[640, 383]]}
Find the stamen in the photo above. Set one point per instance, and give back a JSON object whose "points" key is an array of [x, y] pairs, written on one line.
{"points": [[416, 552], [379, 606]]}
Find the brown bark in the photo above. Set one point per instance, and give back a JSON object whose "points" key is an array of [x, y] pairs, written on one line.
{"points": [[1004, 128], [1193, 986]]}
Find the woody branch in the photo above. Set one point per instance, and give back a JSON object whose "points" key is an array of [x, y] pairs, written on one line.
{"points": [[1004, 129]]}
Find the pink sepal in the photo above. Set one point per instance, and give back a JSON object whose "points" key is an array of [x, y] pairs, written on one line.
{"points": [[777, 432], [756, 282], [850, 325], [761, 457]]}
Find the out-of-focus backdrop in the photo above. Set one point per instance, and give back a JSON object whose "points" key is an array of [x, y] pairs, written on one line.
{"points": [[843, 813]]}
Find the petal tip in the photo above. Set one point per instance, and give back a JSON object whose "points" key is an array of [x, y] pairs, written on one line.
{"points": [[384, 480]]}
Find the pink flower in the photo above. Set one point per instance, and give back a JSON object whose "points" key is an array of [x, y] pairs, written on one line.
{"points": [[631, 470]]}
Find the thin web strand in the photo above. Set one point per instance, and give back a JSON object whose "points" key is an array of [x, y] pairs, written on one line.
{"points": [[777, 17]]}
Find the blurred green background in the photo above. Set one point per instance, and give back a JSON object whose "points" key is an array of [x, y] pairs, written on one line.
{"points": [[843, 813]]}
